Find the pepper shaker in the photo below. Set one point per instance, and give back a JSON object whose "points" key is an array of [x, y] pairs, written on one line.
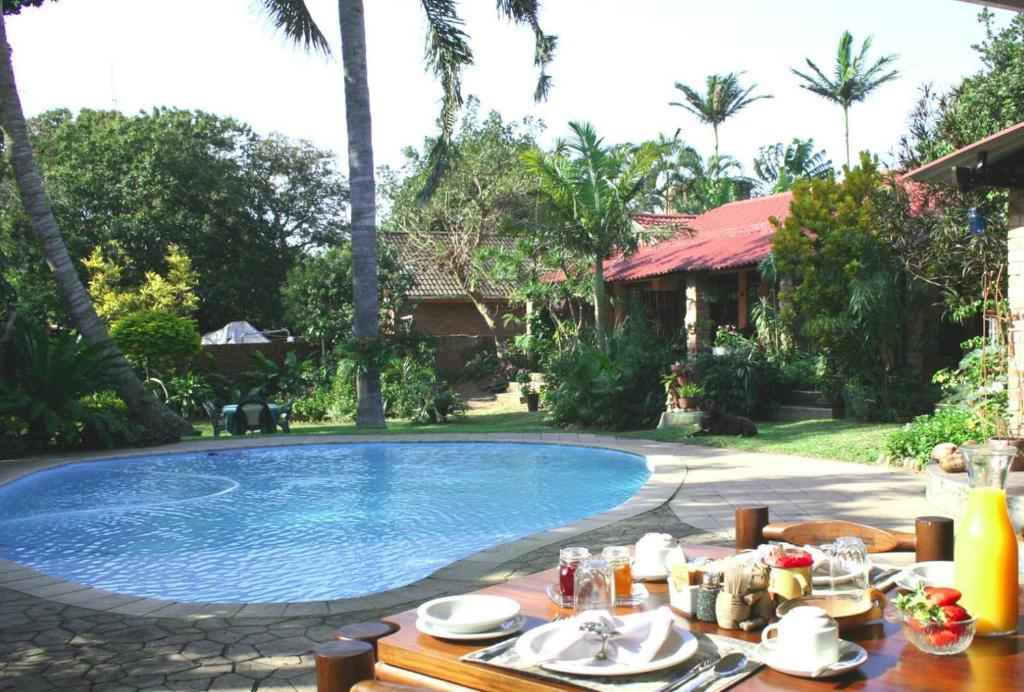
{"points": [[710, 585]]}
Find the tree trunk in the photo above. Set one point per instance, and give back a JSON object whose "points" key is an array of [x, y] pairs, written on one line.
{"points": [[161, 423], [370, 411], [492, 324], [599, 303], [846, 134]]}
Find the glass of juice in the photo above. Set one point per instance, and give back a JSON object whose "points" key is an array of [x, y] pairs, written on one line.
{"points": [[568, 560], [621, 564]]}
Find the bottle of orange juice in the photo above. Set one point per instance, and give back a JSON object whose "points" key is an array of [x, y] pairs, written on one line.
{"points": [[985, 553]]}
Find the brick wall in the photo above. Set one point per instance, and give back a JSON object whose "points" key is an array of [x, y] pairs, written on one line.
{"points": [[232, 360], [460, 330]]}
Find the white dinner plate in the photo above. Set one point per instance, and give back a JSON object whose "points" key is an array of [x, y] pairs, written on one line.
{"points": [[505, 628], [679, 646], [775, 662]]}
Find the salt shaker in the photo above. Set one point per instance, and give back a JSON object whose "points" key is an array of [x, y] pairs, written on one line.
{"points": [[710, 585]]}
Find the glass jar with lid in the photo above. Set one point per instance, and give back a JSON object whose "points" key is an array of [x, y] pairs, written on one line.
{"points": [[568, 560]]}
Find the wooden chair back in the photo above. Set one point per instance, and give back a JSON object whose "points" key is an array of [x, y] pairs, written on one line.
{"points": [[821, 532], [932, 538]]}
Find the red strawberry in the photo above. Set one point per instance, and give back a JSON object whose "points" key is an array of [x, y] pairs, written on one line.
{"points": [[943, 637], [954, 613], [941, 595]]}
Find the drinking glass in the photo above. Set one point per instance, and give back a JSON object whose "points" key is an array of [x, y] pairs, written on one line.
{"points": [[595, 586], [847, 568]]}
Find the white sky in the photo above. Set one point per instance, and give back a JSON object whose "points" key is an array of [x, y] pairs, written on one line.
{"points": [[616, 64]]}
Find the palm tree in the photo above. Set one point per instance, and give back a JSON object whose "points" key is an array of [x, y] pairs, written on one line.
{"points": [[778, 166], [161, 423], [683, 181], [587, 195], [854, 80], [724, 97], [447, 54]]}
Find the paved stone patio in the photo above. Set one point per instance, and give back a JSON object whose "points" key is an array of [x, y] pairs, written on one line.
{"points": [[46, 644]]}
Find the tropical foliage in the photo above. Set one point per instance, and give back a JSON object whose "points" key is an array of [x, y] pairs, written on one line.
{"points": [[587, 192], [778, 166], [45, 381], [156, 341], [723, 98], [854, 78], [173, 292]]}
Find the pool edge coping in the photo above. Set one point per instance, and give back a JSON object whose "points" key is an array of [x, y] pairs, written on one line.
{"points": [[667, 467]]}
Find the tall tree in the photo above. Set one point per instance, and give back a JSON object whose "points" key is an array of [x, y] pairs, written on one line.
{"points": [[447, 54], [778, 166], [854, 79], [459, 229], [722, 99], [588, 192], [239, 204], [683, 181], [161, 423]]}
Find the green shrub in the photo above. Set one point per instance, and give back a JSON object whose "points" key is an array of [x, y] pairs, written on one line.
{"points": [[270, 380], [917, 438], [187, 392], [742, 382], [313, 406], [155, 339], [616, 391], [106, 422], [44, 379]]}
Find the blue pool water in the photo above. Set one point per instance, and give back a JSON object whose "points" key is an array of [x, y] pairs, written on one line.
{"points": [[311, 522]]}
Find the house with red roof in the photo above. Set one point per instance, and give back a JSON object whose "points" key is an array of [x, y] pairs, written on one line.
{"points": [[704, 275]]}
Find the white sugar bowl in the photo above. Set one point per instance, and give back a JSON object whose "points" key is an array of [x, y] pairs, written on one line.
{"points": [[651, 551], [806, 636]]}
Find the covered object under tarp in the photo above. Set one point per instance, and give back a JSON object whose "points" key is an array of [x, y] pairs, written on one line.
{"points": [[236, 333]]}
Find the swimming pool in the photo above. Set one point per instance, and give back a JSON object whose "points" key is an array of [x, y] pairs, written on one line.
{"points": [[299, 523]]}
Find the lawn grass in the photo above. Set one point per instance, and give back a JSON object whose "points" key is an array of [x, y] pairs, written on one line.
{"points": [[474, 422], [826, 439], [842, 440]]}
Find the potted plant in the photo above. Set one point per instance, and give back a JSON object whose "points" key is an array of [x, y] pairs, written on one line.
{"points": [[689, 395], [527, 391], [532, 397]]}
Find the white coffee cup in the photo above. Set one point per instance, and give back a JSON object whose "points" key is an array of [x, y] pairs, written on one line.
{"points": [[807, 637]]}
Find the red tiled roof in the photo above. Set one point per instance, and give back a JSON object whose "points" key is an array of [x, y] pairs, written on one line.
{"points": [[667, 220], [733, 235]]}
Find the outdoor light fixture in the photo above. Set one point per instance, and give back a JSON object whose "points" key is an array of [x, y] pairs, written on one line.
{"points": [[975, 221]]}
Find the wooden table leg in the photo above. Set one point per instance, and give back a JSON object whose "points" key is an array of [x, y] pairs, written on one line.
{"points": [[934, 538], [368, 632], [341, 664], [750, 522]]}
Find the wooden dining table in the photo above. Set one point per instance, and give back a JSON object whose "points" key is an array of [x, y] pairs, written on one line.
{"points": [[412, 658]]}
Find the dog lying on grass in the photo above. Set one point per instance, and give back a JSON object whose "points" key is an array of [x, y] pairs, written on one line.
{"points": [[714, 421]]}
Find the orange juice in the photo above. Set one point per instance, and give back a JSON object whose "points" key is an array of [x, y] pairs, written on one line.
{"points": [[986, 562]]}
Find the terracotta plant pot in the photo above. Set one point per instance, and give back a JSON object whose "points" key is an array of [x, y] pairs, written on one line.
{"points": [[687, 403], [532, 401]]}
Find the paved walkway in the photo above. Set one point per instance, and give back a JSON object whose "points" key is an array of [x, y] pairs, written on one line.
{"points": [[101, 645]]}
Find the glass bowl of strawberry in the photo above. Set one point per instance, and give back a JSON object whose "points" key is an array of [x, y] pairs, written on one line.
{"points": [[932, 621]]}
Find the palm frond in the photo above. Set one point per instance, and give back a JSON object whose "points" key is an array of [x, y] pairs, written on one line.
{"points": [[293, 18], [526, 12]]}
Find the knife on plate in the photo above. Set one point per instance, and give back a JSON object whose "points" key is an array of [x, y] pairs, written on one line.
{"points": [[693, 672]]}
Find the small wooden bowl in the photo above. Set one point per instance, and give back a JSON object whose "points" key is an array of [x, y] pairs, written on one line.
{"points": [[847, 613]]}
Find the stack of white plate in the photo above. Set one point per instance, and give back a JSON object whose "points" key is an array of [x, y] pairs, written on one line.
{"points": [[472, 616]]}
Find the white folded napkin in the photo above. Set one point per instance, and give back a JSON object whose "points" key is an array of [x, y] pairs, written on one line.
{"points": [[640, 637]]}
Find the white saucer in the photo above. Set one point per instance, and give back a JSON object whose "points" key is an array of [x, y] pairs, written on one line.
{"points": [[639, 575], [772, 660], [505, 628], [678, 647]]}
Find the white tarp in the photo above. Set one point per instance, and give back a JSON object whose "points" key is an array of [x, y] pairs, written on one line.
{"points": [[235, 333]]}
